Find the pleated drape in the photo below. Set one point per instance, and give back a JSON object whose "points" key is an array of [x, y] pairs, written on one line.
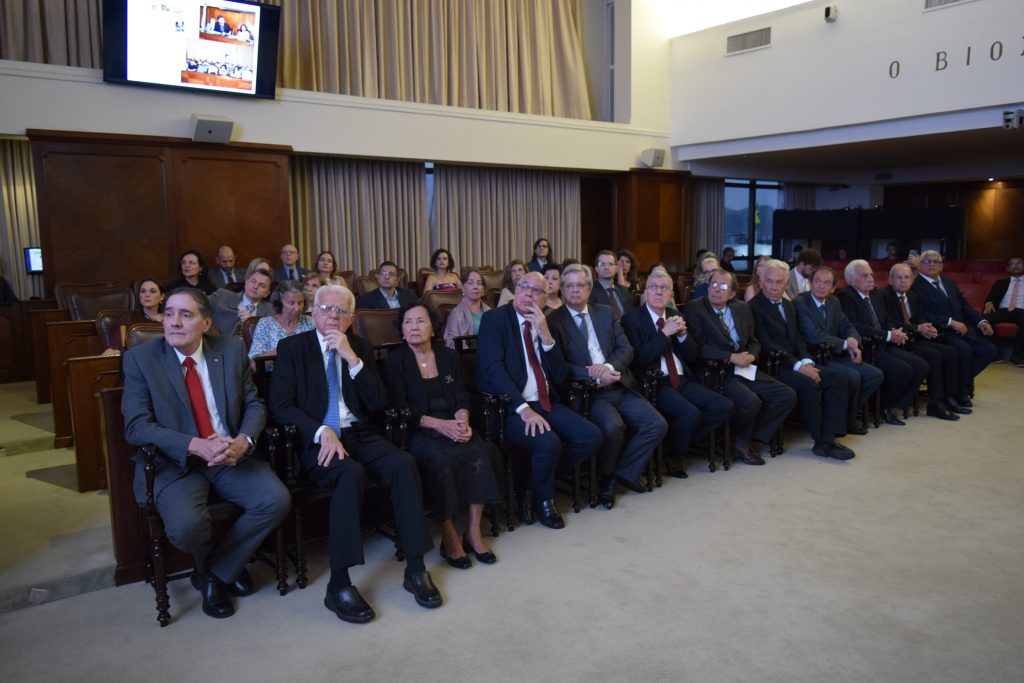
{"points": [[19, 217], [707, 215]]}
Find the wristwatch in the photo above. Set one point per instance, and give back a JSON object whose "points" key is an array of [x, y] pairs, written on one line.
{"points": [[252, 444]]}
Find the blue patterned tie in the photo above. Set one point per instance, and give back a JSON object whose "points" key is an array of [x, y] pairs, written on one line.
{"points": [[333, 417]]}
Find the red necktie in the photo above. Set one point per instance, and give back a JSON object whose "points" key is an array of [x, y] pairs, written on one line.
{"points": [[531, 354], [197, 398], [1013, 295], [670, 361]]}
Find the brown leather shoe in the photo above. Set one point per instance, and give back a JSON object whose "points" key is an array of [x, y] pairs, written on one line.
{"points": [[747, 454]]}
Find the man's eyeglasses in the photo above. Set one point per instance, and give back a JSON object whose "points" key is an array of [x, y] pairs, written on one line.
{"points": [[659, 288], [931, 261], [338, 310], [574, 285], [718, 285], [387, 273], [535, 291]]}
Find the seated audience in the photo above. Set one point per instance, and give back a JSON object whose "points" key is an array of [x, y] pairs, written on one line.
{"points": [[728, 254], [552, 275], [443, 279], [326, 384], [606, 290], [310, 283], [944, 305], [1005, 304], [806, 262], [230, 309], [207, 445], [541, 256], [424, 377], [192, 273], [660, 342], [517, 356], [289, 303], [327, 268], [514, 272], [464, 319], [628, 274], [225, 273], [151, 300], [388, 294], [289, 268]]}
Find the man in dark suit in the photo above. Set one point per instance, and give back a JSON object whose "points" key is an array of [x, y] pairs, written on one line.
{"points": [[326, 384], [904, 306], [517, 357], [865, 308], [944, 305], [822, 321], [660, 342], [606, 290], [231, 309], [225, 273], [1005, 304], [388, 294], [289, 268], [193, 398], [596, 349], [723, 329], [824, 393]]}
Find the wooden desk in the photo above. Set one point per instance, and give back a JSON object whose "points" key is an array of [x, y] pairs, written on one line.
{"points": [[66, 339], [38, 321], [87, 375], [17, 352]]}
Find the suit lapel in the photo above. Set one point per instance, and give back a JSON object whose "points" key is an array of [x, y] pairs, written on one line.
{"points": [[215, 369], [604, 338], [177, 376], [575, 333]]}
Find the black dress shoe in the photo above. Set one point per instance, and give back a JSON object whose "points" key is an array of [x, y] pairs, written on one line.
{"points": [[526, 508], [939, 411], [891, 419], [458, 562], [956, 407], [216, 603], [676, 470], [548, 515], [606, 496], [832, 449], [964, 401], [634, 486], [242, 585], [857, 430], [423, 589], [747, 456], [349, 605], [486, 558]]}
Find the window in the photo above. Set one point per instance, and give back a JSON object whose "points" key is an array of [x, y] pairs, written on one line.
{"points": [[749, 208]]}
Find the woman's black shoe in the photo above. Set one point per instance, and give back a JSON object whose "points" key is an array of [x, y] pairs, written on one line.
{"points": [[458, 562], [486, 558]]}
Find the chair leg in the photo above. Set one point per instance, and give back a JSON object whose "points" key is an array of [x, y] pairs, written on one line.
{"points": [[300, 553], [593, 482], [658, 461], [282, 561], [576, 505], [712, 460], [163, 603]]}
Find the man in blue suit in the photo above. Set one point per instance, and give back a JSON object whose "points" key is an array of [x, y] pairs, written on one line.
{"points": [[193, 398], [944, 306], [517, 357], [595, 348]]}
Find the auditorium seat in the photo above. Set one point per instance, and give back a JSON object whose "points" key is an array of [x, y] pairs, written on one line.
{"points": [[985, 267], [434, 299], [961, 277], [112, 327], [377, 325], [86, 303], [140, 333], [366, 283], [62, 290]]}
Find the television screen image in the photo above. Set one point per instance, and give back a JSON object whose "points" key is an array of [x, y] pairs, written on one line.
{"points": [[224, 46], [33, 260]]}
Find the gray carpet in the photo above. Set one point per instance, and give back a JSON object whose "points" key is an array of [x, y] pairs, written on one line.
{"points": [[905, 564]]}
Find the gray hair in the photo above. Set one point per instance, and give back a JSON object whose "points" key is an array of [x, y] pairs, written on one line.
{"points": [[336, 289], [283, 289], [852, 266], [776, 263], [579, 268]]}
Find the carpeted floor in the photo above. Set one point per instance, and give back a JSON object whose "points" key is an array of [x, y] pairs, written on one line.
{"points": [[905, 564]]}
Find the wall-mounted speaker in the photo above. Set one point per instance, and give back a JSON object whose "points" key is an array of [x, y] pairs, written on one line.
{"points": [[211, 128], [831, 13], [652, 157]]}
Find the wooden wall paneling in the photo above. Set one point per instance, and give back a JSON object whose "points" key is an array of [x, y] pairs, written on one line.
{"points": [[39, 319], [651, 219], [87, 375], [597, 217], [66, 339], [17, 351]]}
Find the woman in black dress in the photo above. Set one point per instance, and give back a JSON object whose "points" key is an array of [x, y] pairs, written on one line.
{"points": [[192, 273], [423, 376]]}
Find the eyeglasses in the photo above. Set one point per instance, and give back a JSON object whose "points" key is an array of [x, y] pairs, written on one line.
{"points": [[333, 309], [387, 273], [574, 285], [659, 288], [535, 291], [187, 262], [605, 264], [718, 285], [931, 261]]}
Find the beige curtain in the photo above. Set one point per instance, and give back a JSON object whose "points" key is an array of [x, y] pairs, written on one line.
{"points": [[707, 215], [19, 217], [488, 216], [799, 196], [65, 32], [363, 211]]}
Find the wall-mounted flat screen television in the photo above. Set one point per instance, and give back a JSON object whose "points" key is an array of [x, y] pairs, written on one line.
{"points": [[33, 260], [224, 46]]}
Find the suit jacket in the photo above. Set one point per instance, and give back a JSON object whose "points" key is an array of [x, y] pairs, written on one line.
{"points": [[225, 310], [856, 310], [598, 295], [649, 343], [280, 275], [835, 329], [534, 266], [616, 349], [713, 340], [792, 289], [218, 279], [501, 363], [408, 389], [298, 390], [938, 308], [375, 299], [156, 406], [998, 291], [775, 333]]}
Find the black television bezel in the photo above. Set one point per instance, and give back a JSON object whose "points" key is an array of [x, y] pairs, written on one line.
{"points": [[115, 52], [28, 261]]}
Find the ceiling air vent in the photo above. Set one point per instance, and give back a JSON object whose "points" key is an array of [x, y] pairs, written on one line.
{"points": [[932, 4], [750, 40]]}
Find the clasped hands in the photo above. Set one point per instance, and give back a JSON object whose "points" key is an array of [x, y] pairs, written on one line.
{"points": [[602, 374], [219, 450], [674, 325]]}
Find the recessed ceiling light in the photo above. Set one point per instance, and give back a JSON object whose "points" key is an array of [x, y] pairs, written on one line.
{"points": [[991, 180]]}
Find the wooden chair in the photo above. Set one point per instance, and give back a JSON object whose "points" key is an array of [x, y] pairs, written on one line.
{"points": [[366, 283], [656, 464], [493, 279], [140, 333], [433, 300], [86, 303], [349, 276], [771, 362], [248, 329], [235, 286], [377, 325], [442, 313], [112, 327], [62, 290], [714, 374], [465, 269], [421, 278]]}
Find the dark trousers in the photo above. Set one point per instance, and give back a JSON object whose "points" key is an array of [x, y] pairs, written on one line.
{"points": [[692, 411], [370, 456], [974, 353], [615, 410], [823, 405], [903, 372], [864, 376], [571, 435], [1001, 315], [943, 369], [761, 406]]}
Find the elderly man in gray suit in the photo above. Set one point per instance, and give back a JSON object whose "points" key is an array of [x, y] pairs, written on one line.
{"points": [[231, 309], [192, 397]]}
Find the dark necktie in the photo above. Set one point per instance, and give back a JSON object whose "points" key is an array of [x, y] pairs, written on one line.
{"points": [[291, 274], [200, 411], [229, 275], [904, 309], [938, 286], [538, 373], [871, 310], [821, 310], [782, 310], [613, 297], [333, 417], [670, 361]]}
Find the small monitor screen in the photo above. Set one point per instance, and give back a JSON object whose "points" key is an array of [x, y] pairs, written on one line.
{"points": [[33, 260]]}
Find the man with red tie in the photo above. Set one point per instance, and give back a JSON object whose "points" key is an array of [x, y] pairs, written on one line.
{"points": [[660, 342], [517, 357], [192, 397]]}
